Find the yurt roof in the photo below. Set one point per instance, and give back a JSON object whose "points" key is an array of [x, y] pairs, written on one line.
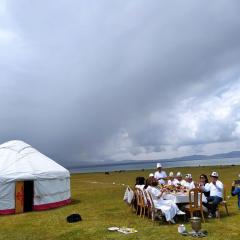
{"points": [[20, 161]]}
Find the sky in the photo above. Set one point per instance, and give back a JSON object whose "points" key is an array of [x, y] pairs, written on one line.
{"points": [[99, 80]]}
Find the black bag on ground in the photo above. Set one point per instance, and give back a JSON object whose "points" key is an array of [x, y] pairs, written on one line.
{"points": [[74, 218]]}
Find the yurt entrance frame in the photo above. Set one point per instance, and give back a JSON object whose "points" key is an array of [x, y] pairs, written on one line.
{"points": [[24, 196]]}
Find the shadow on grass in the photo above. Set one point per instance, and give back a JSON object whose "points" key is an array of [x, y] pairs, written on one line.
{"points": [[231, 214], [74, 202]]}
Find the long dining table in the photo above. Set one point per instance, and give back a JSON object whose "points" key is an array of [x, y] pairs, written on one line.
{"points": [[181, 197]]}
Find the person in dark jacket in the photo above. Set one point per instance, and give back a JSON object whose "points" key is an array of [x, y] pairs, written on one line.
{"points": [[236, 191]]}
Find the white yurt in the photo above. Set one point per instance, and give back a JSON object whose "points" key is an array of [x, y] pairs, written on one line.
{"points": [[29, 180]]}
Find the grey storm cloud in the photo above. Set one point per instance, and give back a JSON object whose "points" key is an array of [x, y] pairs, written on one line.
{"points": [[112, 80]]}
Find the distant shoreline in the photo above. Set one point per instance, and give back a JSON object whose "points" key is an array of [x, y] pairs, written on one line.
{"points": [[139, 163], [229, 155], [151, 165], [153, 170]]}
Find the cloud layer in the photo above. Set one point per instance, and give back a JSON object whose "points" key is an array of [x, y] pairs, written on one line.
{"points": [[101, 80]]}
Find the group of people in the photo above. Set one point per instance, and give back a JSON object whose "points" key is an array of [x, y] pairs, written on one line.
{"points": [[213, 190], [168, 207]]}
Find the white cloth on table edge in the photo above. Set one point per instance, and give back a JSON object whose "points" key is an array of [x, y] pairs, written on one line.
{"points": [[181, 198]]}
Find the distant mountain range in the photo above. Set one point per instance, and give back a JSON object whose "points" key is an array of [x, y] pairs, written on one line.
{"points": [[234, 154]]}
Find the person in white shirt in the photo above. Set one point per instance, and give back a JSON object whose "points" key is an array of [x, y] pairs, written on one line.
{"points": [[151, 175], [170, 179], [160, 175], [140, 181], [179, 180], [140, 184], [189, 183], [216, 194], [168, 207]]}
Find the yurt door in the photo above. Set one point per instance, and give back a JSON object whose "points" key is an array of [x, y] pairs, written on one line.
{"points": [[28, 196], [19, 197]]}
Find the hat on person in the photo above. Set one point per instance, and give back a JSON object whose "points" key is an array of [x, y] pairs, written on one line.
{"points": [[179, 174], [159, 165], [214, 174], [171, 174], [188, 176], [151, 175]]}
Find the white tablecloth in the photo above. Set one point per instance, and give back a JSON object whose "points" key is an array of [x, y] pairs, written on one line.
{"points": [[181, 197]]}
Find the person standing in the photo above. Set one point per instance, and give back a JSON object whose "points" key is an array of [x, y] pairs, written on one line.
{"points": [[215, 187], [160, 175]]}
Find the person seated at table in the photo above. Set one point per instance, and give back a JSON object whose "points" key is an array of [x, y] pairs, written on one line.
{"points": [[148, 181], [168, 207], [215, 187], [151, 175], [140, 182], [170, 179], [178, 180], [150, 178], [203, 181], [236, 191], [160, 175], [189, 184]]}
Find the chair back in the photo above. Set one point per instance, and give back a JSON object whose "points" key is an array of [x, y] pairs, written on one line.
{"points": [[151, 200], [137, 196], [155, 211], [147, 197], [195, 199], [142, 197]]}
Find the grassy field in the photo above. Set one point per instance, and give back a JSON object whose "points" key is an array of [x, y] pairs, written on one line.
{"points": [[101, 206]]}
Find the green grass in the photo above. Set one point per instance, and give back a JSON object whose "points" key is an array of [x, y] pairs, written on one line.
{"points": [[101, 206]]}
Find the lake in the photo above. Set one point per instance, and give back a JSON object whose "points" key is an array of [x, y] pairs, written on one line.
{"points": [[151, 165]]}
